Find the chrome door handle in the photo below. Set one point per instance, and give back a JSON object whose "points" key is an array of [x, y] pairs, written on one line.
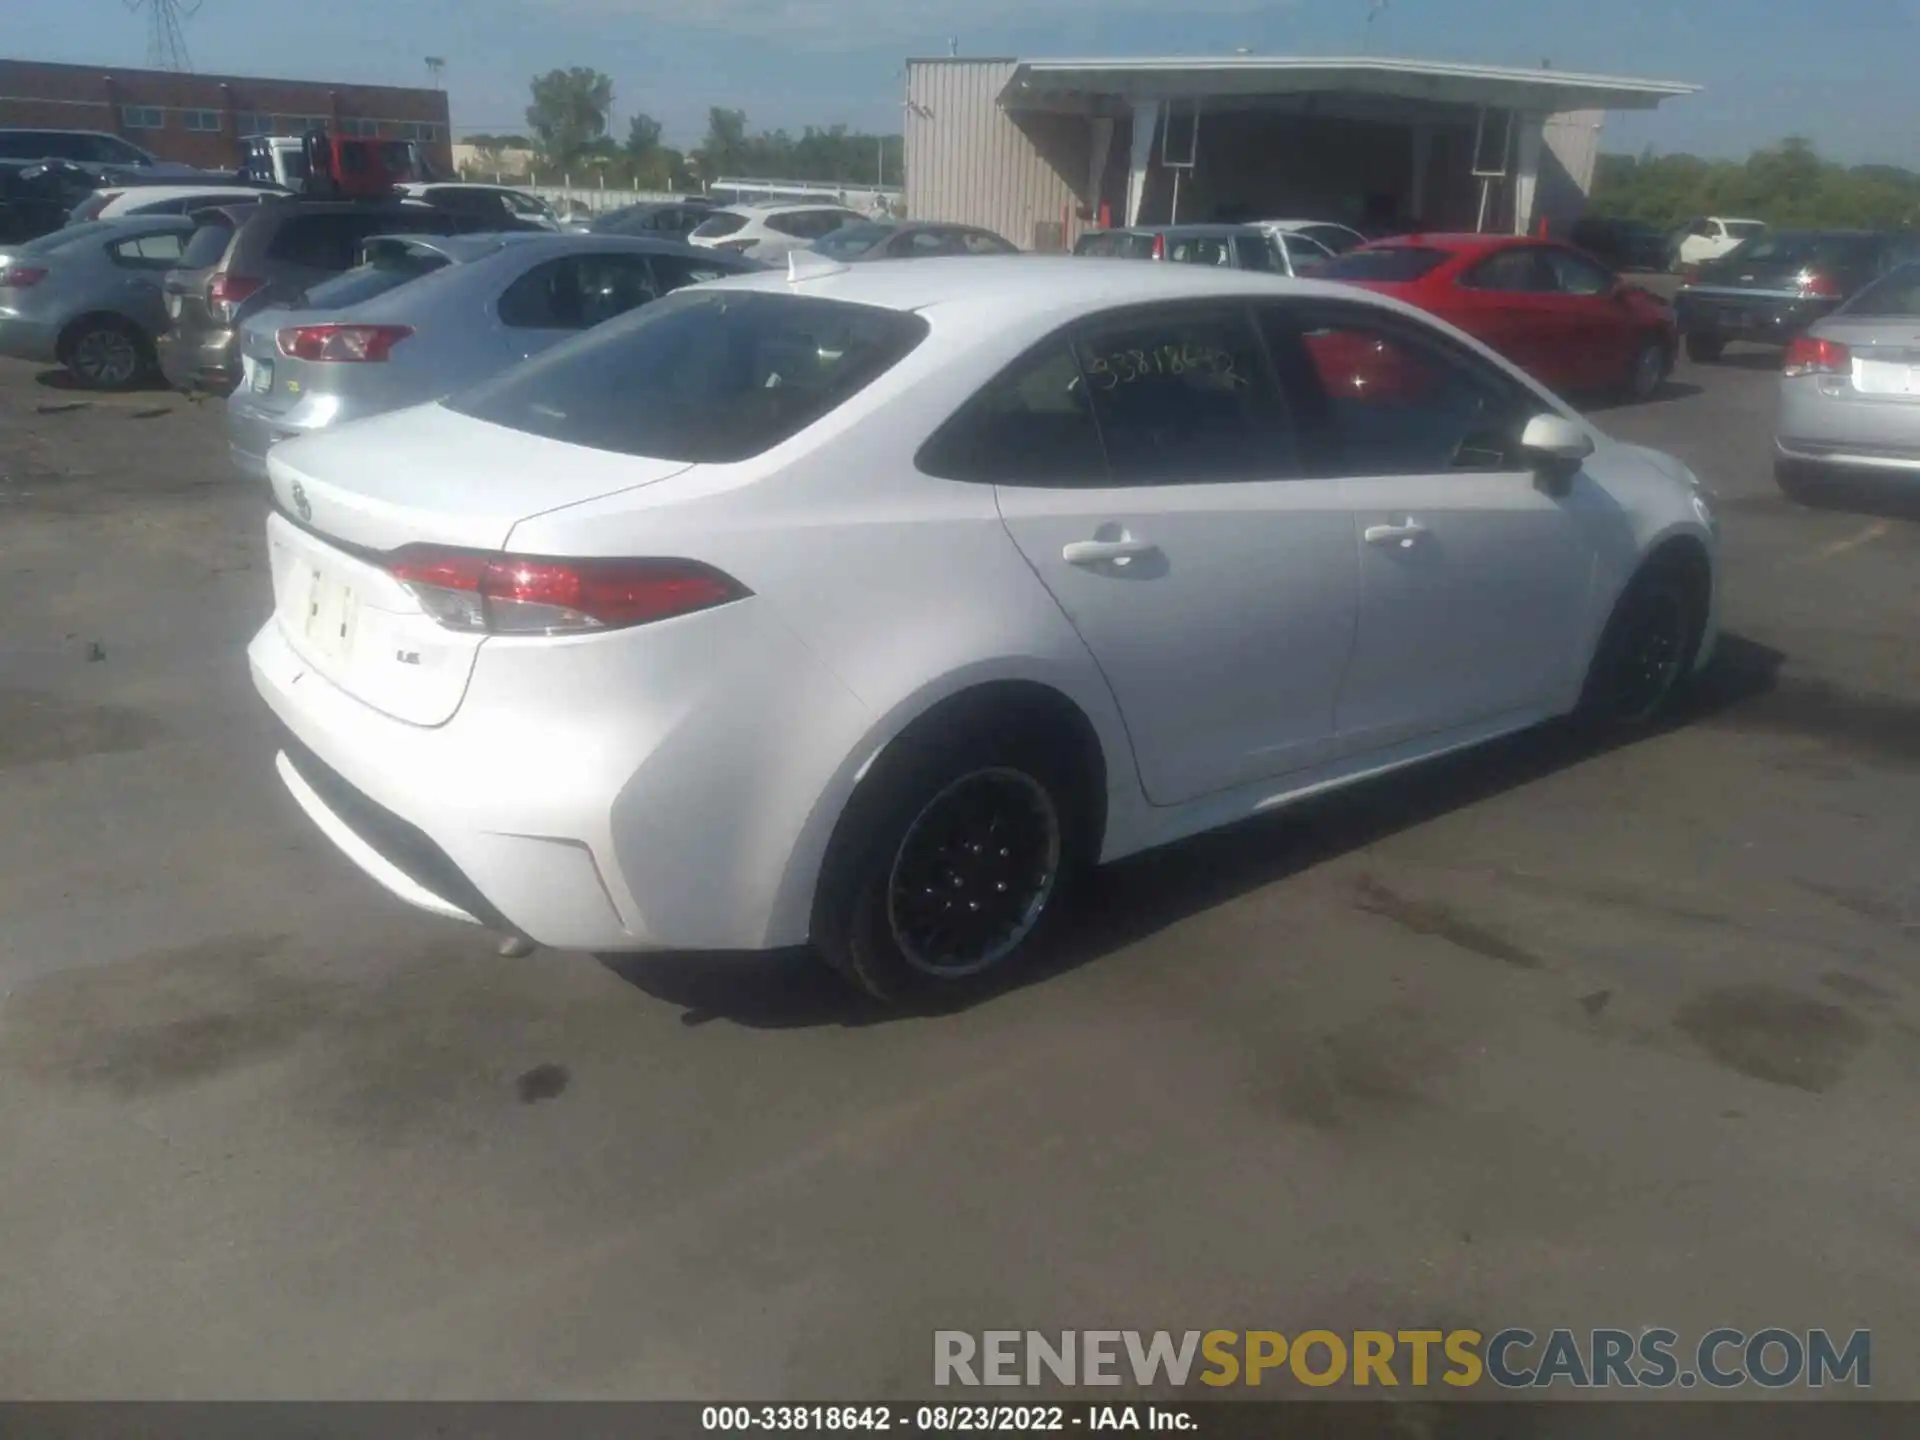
{"points": [[1402, 535], [1095, 552]]}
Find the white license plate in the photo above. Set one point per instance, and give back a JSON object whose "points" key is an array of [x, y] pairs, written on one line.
{"points": [[173, 307], [257, 373], [332, 612]]}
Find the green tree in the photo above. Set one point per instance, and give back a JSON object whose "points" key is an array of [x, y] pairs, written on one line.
{"points": [[1787, 185], [569, 111], [643, 136]]}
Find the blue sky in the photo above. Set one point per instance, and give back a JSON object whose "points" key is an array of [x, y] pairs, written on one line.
{"points": [[1841, 71]]}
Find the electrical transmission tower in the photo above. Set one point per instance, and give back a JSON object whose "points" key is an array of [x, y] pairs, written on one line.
{"points": [[166, 39]]}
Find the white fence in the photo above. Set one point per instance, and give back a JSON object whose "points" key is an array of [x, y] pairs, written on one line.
{"points": [[598, 200]]}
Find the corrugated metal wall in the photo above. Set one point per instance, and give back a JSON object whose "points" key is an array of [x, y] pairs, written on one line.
{"points": [[969, 162]]}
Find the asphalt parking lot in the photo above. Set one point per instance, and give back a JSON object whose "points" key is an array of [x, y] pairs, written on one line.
{"points": [[1534, 1037]]}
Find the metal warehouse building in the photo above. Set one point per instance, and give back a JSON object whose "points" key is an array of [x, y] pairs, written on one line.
{"points": [[1041, 150]]}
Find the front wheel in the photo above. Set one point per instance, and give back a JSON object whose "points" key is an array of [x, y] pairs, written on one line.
{"points": [[951, 857], [1649, 369], [1704, 349], [106, 354], [1646, 652]]}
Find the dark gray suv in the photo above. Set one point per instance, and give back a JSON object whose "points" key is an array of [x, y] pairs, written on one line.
{"points": [[244, 258]]}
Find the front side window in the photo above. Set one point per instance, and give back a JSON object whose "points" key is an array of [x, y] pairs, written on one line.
{"points": [[1183, 396], [715, 226], [1521, 271], [705, 376], [1372, 394], [1576, 275], [1199, 250], [1254, 252], [1388, 265], [576, 292], [981, 242]]}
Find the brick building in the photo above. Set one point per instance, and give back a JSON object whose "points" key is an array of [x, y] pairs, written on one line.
{"points": [[200, 119]]}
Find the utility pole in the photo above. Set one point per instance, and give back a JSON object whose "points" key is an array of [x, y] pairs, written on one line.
{"points": [[1374, 9]]}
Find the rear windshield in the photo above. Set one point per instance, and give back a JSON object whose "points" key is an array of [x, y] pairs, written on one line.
{"points": [[705, 377], [1805, 249], [852, 239], [389, 269], [1896, 295], [714, 226], [208, 244], [1389, 264]]}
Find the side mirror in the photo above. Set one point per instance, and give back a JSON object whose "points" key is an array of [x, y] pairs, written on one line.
{"points": [[1555, 446]]}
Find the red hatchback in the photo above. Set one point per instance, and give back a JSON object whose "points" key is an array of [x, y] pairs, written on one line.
{"points": [[1556, 312]]}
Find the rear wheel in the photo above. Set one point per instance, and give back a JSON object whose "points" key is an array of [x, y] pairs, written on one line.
{"points": [[1704, 348], [1647, 651], [953, 854], [105, 353]]}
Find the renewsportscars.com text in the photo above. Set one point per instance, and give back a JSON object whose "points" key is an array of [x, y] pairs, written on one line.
{"points": [[1512, 1358]]}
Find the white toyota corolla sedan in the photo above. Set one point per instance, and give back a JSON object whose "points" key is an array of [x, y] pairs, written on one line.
{"points": [[864, 606]]}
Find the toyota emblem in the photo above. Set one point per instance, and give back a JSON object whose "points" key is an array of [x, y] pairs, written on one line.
{"points": [[300, 501]]}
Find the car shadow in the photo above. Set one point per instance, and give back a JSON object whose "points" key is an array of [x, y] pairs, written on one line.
{"points": [[1669, 390], [1756, 359], [1133, 899], [58, 379], [1863, 494]]}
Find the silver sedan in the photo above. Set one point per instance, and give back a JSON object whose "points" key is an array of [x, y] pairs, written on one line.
{"points": [[1850, 390], [88, 297], [426, 316]]}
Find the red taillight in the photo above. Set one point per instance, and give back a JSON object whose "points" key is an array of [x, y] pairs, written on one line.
{"points": [[1810, 356], [345, 343], [1819, 287], [229, 292], [1159, 247], [20, 277], [534, 595]]}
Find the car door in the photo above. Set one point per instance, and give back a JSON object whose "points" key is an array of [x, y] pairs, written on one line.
{"points": [[140, 264], [1507, 301], [1475, 581], [1144, 467], [561, 297], [1593, 329]]}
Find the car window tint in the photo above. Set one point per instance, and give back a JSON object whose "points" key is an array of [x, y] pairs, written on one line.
{"points": [[1521, 271], [1576, 275], [393, 267], [1255, 252], [1182, 396], [1031, 425], [1374, 395], [1199, 250], [576, 292], [924, 242], [321, 242], [1896, 295], [851, 240], [1388, 265], [149, 252], [676, 272], [714, 226], [979, 242], [707, 376]]}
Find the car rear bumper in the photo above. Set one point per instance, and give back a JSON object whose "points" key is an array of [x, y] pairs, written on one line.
{"points": [[253, 428], [1765, 319], [1823, 424], [208, 360], [33, 340]]}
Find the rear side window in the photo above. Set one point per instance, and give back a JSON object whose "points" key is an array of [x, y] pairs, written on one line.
{"points": [[1389, 265], [983, 242], [1031, 425], [1254, 252], [714, 226], [327, 241], [208, 244], [149, 252], [809, 224], [1199, 250], [1521, 271], [703, 376], [854, 239]]}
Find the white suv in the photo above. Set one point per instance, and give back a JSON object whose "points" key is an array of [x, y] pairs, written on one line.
{"points": [[771, 232], [1709, 237]]}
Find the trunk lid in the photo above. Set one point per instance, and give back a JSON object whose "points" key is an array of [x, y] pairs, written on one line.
{"points": [[1886, 355], [418, 476]]}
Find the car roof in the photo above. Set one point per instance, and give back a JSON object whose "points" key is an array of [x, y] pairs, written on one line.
{"points": [[1207, 229], [143, 194], [1303, 224], [752, 208], [1456, 242]]}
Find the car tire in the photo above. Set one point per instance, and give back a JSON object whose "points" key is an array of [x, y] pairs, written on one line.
{"points": [[928, 820], [104, 352], [1704, 349], [1652, 362], [1646, 653]]}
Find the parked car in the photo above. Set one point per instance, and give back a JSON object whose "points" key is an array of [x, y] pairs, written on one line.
{"points": [[1233, 247], [868, 612], [1708, 237], [653, 219], [1623, 244], [1850, 390], [903, 240], [88, 298], [425, 317], [771, 232], [488, 207], [1776, 285], [92, 148], [1330, 235], [1560, 315], [242, 259], [114, 201], [37, 195]]}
